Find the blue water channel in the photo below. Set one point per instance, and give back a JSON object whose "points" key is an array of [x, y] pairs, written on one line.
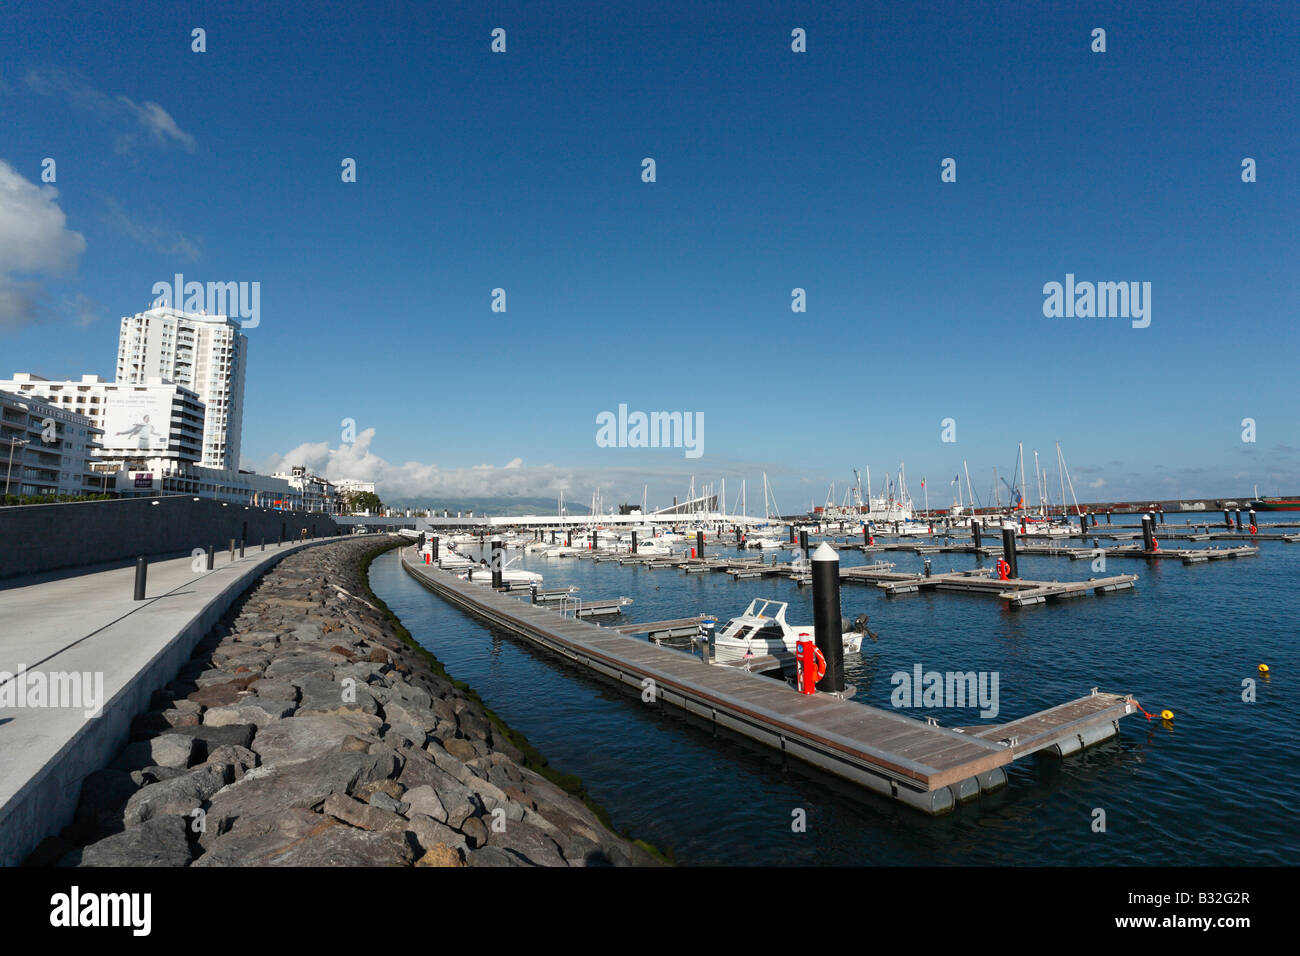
{"points": [[1213, 786]]}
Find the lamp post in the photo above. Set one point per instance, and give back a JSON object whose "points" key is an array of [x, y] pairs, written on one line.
{"points": [[13, 443]]}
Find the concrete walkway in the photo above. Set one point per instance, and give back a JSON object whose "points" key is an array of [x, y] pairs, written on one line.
{"points": [[90, 625]]}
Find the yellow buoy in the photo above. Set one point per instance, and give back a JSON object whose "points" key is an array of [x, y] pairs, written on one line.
{"points": [[1166, 715], [1263, 668]]}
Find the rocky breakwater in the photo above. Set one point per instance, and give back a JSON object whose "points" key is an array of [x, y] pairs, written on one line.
{"points": [[307, 730]]}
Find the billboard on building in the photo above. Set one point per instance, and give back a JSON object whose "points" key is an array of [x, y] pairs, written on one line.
{"points": [[137, 421]]}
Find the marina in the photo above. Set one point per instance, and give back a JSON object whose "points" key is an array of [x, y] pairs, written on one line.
{"points": [[918, 763]]}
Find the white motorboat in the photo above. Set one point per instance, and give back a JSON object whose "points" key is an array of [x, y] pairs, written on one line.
{"points": [[653, 546], [762, 629], [482, 574]]}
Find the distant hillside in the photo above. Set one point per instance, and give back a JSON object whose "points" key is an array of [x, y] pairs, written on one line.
{"points": [[506, 505]]}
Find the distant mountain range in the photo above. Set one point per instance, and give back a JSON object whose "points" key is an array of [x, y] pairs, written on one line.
{"points": [[506, 505]]}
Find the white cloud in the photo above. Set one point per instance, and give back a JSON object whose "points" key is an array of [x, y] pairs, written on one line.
{"points": [[156, 123], [427, 481], [1096, 482], [166, 241], [34, 242]]}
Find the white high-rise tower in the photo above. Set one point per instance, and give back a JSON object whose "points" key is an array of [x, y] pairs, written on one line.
{"points": [[205, 353]]}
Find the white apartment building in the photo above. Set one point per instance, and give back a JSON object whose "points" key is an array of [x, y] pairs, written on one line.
{"points": [[204, 353], [46, 449], [315, 493], [157, 421]]}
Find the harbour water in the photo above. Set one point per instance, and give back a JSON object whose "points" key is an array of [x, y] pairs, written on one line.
{"points": [[1211, 787]]}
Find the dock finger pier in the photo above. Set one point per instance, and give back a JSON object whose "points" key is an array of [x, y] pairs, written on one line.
{"points": [[914, 761]]}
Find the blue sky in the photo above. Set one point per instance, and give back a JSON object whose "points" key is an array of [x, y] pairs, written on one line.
{"points": [[775, 170]]}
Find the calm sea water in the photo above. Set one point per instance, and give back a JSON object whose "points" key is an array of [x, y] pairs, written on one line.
{"points": [[1214, 787]]}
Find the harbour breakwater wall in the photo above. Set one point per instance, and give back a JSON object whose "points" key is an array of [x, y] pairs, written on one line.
{"points": [[36, 538], [309, 730]]}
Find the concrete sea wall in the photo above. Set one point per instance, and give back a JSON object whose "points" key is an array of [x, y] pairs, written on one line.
{"points": [[36, 538]]}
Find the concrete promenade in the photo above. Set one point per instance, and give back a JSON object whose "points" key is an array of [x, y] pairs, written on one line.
{"points": [[88, 624]]}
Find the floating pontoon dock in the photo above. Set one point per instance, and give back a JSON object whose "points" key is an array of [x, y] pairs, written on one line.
{"points": [[916, 762]]}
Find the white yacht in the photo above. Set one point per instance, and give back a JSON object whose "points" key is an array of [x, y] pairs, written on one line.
{"points": [[762, 629], [483, 574]]}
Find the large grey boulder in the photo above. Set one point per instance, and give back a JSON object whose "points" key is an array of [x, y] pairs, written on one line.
{"points": [[159, 842]]}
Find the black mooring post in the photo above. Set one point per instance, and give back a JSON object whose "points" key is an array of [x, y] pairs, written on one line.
{"points": [[434, 553], [1083, 524], [1252, 519], [212, 556], [792, 534], [803, 542], [241, 547], [263, 542], [1148, 534], [232, 549], [1238, 519], [827, 623], [737, 534], [141, 574], [866, 535], [975, 532], [497, 555], [699, 545], [533, 589], [1162, 515], [634, 541], [1227, 519], [568, 541], [1107, 517], [1009, 550]]}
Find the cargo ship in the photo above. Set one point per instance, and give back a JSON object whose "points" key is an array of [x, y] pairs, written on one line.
{"points": [[1266, 503]]}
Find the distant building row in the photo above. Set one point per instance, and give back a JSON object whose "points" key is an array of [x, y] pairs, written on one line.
{"points": [[170, 424]]}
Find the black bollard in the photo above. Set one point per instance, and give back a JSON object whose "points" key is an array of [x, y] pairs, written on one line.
{"points": [[975, 532], [1107, 517], [420, 542], [498, 554], [434, 552], [232, 549], [263, 542], [241, 547], [827, 623], [803, 542], [1009, 551], [866, 535], [243, 535], [699, 545], [1227, 519], [1162, 515], [1083, 524], [634, 541], [1238, 519], [792, 534], [211, 556], [927, 567], [1252, 519], [533, 588], [141, 573], [1148, 533]]}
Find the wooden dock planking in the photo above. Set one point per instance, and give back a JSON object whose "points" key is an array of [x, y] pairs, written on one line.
{"points": [[931, 767], [1048, 727]]}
